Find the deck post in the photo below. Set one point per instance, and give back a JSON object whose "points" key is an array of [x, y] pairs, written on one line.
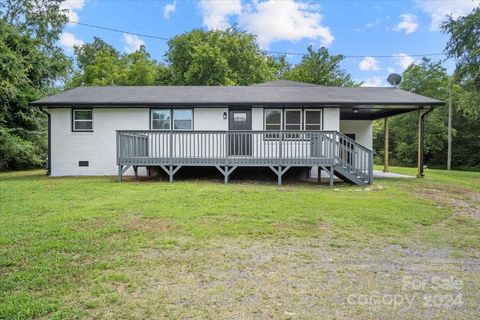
{"points": [[386, 147], [170, 173], [120, 170], [319, 174], [226, 174], [332, 171], [279, 173], [135, 171]]}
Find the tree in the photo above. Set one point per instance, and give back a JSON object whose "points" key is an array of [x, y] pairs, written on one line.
{"points": [[30, 65], [219, 57], [99, 64], [464, 46], [320, 67]]}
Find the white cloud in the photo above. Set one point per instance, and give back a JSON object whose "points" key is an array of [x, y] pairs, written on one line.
{"points": [[68, 40], [403, 60], [169, 9], [215, 13], [270, 20], [409, 23], [439, 10], [373, 82], [369, 64], [73, 6], [285, 20], [132, 43], [391, 70]]}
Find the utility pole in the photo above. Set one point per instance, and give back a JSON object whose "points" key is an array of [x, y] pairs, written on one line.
{"points": [[449, 156]]}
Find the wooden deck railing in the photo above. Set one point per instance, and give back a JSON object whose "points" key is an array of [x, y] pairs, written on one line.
{"points": [[243, 148]]}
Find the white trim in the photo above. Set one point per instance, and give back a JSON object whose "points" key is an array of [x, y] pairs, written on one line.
{"points": [[305, 118], [74, 129]]}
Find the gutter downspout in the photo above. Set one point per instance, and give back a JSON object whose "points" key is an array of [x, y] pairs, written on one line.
{"points": [[49, 135], [421, 141]]}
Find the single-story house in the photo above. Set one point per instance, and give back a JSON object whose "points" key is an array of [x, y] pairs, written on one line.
{"points": [[279, 124]]}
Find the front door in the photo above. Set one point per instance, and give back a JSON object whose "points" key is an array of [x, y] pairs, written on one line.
{"points": [[239, 124]]}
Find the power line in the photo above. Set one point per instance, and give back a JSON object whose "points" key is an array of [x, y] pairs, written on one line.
{"points": [[265, 51]]}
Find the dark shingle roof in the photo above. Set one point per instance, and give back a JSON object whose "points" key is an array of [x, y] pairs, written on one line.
{"points": [[280, 92]]}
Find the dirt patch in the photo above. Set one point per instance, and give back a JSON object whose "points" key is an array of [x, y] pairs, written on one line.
{"points": [[462, 201]]}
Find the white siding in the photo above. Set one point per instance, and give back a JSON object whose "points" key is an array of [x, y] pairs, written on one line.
{"points": [[210, 119], [331, 119], [363, 130], [97, 147]]}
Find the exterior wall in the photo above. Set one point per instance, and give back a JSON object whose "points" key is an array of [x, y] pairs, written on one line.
{"points": [[210, 119], [331, 119], [363, 130], [97, 147]]}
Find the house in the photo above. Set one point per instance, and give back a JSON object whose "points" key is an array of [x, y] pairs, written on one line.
{"points": [[279, 124]]}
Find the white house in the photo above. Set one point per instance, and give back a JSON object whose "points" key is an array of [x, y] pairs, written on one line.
{"points": [[279, 124]]}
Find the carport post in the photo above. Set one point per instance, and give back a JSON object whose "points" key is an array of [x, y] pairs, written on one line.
{"points": [[421, 141], [385, 149]]}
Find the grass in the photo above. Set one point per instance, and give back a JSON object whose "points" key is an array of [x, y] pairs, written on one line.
{"points": [[88, 247]]}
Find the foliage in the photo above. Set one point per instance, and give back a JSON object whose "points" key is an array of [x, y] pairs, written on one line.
{"points": [[464, 47], [431, 79], [219, 57], [320, 67], [99, 64], [29, 65]]}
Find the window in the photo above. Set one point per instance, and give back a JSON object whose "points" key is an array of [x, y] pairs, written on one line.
{"points": [[239, 117], [82, 120], [182, 119], [313, 120], [161, 119], [273, 119], [293, 119]]}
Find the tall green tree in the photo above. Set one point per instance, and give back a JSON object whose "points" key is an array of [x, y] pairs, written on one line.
{"points": [[464, 47], [30, 65], [319, 67], [220, 57]]}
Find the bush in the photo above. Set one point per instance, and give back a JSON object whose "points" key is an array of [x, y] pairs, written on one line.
{"points": [[22, 152]]}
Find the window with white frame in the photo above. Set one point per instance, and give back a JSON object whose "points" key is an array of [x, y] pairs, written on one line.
{"points": [[293, 119], [161, 119], [313, 119], [273, 119], [183, 119], [82, 120]]}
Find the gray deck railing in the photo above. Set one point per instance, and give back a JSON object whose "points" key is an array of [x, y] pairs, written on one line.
{"points": [[243, 148]]}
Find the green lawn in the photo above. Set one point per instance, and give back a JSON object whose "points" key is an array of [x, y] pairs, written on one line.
{"points": [[92, 248]]}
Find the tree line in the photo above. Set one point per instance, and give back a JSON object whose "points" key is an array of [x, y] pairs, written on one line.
{"points": [[32, 66]]}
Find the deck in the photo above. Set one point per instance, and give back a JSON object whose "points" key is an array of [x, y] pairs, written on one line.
{"points": [[228, 150]]}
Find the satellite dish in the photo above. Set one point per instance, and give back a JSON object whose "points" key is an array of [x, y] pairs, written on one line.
{"points": [[394, 79]]}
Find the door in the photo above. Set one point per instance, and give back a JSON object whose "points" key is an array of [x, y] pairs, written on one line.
{"points": [[239, 124]]}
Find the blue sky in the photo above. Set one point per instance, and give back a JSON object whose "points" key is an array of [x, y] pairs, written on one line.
{"points": [[394, 28]]}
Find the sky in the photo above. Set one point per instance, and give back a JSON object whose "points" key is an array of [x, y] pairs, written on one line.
{"points": [[378, 37]]}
